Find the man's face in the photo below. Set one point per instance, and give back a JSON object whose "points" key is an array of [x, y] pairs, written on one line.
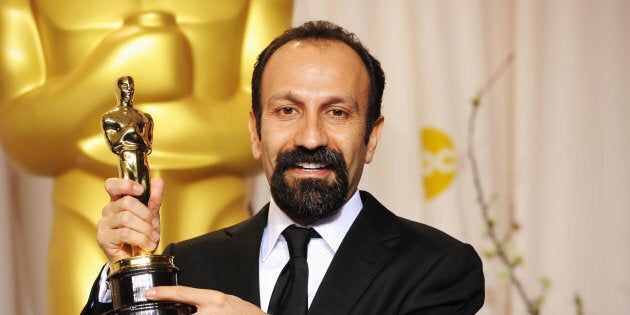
{"points": [[313, 113]]}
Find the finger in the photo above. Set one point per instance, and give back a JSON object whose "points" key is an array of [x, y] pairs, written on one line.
{"points": [[127, 221], [155, 202], [182, 294], [206, 301], [132, 205], [116, 243], [116, 230], [126, 228], [120, 187]]}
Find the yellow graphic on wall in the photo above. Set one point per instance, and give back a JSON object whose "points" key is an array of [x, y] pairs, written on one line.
{"points": [[439, 163]]}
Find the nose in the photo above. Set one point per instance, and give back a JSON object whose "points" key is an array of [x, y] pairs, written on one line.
{"points": [[312, 133]]}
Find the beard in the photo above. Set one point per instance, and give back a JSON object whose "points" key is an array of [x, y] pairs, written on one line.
{"points": [[310, 198]]}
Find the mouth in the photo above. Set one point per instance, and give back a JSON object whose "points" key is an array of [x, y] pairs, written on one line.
{"points": [[311, 166], [310, 170], [302, 163]]}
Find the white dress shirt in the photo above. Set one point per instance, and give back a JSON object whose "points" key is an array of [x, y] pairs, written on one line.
{"points": [[274, 253]]}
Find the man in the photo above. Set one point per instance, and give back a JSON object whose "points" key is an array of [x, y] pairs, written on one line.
{"points": [[315, 121]]}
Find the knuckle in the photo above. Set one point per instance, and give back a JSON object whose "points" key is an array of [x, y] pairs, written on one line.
{"points": [[146, 243], [125, 233], [100, 237], [219, 299], [99, 226], [124, 218], [127, 202]]}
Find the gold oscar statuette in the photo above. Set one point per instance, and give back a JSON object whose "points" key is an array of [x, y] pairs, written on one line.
{"points": [[129, 133]]}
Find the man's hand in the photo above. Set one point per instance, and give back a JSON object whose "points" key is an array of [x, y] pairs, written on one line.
{"points": [[207, 301], [126, 221]]}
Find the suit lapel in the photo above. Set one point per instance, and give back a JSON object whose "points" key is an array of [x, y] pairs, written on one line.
{"points": [[237, 264], [358, 260]]}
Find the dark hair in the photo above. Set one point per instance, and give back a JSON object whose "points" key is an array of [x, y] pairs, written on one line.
{"points": [[323, 31]]}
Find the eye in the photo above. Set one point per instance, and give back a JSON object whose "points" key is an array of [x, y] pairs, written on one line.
{"points": [[337, 113], [287, 111]]}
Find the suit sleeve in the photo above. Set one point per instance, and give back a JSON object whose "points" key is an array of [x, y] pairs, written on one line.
{"points": [[93, 306], [454, 285]]}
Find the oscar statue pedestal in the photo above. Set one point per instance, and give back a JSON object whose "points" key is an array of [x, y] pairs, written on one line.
{"points": [[129, 278]]}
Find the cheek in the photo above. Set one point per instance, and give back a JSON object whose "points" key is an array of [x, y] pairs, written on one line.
{"points": [[355, 159], [351, 145], [269, 148], [275, 140], [268, 164]]}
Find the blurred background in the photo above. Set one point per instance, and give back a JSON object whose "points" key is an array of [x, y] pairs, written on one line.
{"points": [[551, 173]]}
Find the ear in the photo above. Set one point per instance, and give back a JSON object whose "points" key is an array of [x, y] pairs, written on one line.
{"points": [[375, 136], [253, 136]]}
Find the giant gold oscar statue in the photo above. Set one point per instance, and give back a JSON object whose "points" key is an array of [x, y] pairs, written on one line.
{"points": [[194, 58]]}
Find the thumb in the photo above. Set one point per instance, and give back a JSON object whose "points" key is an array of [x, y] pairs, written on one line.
{"points": [[155, 199]]}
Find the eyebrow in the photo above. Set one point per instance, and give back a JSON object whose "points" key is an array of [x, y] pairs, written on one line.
{"points": [[289, 96], [284, 97]]}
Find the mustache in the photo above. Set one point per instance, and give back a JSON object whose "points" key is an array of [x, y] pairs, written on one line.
{"points": [[322, 155], [310, 198]]}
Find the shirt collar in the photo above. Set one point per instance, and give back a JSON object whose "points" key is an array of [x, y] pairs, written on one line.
{"points": [[332, 229]]}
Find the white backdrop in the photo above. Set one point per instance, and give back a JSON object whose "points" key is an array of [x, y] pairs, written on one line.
{"points": [[550, 133], [550, 139]]}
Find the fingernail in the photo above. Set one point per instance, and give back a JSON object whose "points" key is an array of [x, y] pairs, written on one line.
{"points": [[137, 188], [155, 236], [149, 293]]}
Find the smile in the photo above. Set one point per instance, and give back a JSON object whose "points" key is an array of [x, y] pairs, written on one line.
{"points": [[311, 166]]}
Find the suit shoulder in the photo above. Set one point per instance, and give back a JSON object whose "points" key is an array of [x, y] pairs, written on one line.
{"points": [[204, 241], [426, 246], [196, 257], [398, 231], [207, 242], [427, 234]]}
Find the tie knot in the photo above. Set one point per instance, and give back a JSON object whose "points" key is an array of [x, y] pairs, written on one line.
{"points": [[297, 240]]}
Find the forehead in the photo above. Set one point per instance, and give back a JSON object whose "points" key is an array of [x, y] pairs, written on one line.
{"points": [[317, 50], [323, 65]]}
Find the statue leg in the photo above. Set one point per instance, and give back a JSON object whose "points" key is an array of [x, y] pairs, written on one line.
{"points": [[192, 208], [74, 257]]}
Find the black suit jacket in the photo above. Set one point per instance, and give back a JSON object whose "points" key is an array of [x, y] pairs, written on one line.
{"points": [[385, 265]]}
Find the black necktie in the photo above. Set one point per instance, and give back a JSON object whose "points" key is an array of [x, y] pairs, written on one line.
{"points": [[290, 294]]}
